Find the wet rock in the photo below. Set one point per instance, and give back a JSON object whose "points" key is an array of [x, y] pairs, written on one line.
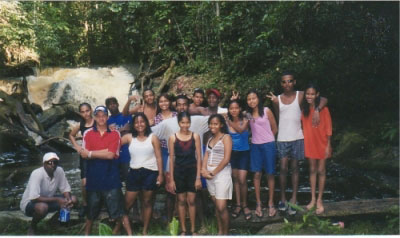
{"points": [[56, 114]]}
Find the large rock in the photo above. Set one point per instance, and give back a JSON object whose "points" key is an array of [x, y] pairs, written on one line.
{"points": [[56, 114]]}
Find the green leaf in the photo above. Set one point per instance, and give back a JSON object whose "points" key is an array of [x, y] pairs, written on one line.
{"points": [[104, 230], [173, 227]]}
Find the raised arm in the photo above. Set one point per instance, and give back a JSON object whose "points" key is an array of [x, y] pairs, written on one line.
{"points": [[241, 127], [198, 111], [275, 105], [126, 110]]}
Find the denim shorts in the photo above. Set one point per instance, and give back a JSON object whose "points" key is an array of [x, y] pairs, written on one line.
{"points": [[263, 157], [112, 198], [52, 207], [164, 155], [141, 180], [240, 159], [185, 179], [291, 149]]}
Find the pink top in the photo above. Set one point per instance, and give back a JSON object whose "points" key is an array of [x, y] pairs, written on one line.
{"points": [[261, 129]]}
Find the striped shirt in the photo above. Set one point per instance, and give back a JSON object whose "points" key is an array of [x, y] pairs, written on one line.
{"points": [[216, 153]]}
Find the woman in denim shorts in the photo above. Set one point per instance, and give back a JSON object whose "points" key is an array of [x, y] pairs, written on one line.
{"points": [[263, 127], [146, 171]]}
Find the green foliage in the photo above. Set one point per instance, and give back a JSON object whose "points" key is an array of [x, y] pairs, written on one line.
{"points": [[349, 48], [104, 230], [310, 224], [173, 227]]}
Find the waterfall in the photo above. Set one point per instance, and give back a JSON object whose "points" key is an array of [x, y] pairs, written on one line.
{"points": [[59, 85]]}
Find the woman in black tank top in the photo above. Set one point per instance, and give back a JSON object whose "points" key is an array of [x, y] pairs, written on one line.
{"points": [[184, 163], [85, 111]]}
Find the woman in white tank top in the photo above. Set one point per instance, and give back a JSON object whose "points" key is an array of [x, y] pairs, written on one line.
{"points": [[145, 173], [217, 169]]}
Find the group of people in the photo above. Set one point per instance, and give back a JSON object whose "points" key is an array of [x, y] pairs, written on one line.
{"points": [[192, 148]]}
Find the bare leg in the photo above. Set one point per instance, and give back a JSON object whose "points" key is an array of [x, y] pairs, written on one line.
{"points": [[170, 205], [321, 184], [127, 225], [243, 190], [147, 209], [282, 177], [271, 191], [236, 186], [191, 202], [40, 211], [217, 215], [256, 181], [182, 210], [220, 205], [88, 227], [295, 179], [313, 181], [83, 189]]}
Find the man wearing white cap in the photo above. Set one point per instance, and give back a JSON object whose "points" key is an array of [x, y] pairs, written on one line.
{"points": [[39, 196]]}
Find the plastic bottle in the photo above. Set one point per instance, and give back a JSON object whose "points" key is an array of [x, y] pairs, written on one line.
{"points": [[64, 216]]}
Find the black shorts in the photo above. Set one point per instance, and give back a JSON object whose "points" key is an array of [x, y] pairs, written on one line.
{"points": [[141, 180], [82, 167], [112, 198], [185, 178]]}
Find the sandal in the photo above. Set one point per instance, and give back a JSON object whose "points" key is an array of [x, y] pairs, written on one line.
{"points": [[234, 213], [271, 211], [247, 216], [262, 213]]}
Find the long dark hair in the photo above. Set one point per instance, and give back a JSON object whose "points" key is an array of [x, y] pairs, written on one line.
{"points": [[165, 95], [240, 111], [260, 103], [147, 130], [304, 104], [221, 119], [81, 119]]}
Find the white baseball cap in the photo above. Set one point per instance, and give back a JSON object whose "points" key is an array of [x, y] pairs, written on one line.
{"points": [[49, 156]]}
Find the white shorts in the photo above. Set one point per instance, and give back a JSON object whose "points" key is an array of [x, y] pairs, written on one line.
{"points": [[221, 185]]}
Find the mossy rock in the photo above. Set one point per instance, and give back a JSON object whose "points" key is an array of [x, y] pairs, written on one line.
{"points": [[350, 145]]}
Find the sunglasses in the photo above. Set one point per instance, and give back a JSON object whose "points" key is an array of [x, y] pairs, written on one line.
{"points": [[52, 162], [288, 81]]}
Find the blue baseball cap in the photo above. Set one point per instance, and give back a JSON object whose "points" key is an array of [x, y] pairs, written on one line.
{"points": [[101, 109]]}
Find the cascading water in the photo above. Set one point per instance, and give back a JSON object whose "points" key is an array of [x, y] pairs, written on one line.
{"points": [[79, 85]]}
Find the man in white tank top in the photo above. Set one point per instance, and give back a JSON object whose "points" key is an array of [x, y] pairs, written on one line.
{"points": [[290, 142]]}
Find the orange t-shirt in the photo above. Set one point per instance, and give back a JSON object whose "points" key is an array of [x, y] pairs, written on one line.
{"points": [[316, 138]]}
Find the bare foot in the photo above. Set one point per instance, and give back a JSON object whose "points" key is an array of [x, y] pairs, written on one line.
{"points": [[320, 208], [311, 205]]}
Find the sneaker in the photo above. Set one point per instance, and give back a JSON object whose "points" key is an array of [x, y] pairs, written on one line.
{"points": [[282, 206], [292, 211]]}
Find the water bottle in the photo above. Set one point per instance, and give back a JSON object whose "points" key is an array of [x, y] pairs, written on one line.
{"points": [[64, 216]]}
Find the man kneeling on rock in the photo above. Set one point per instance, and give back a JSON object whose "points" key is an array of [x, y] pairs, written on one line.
{"points": [[39, 197]]}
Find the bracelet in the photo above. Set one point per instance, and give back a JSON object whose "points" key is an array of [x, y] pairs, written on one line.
{"points": [[90, 154], [198, 177]]}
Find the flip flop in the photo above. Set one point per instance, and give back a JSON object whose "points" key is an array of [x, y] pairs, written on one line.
{"points": [[247, 216], [235, 214], [271, 211], [262, 213]]}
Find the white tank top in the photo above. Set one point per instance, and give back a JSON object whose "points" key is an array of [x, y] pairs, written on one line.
{"points": [[290, 120], [142, 154]]}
